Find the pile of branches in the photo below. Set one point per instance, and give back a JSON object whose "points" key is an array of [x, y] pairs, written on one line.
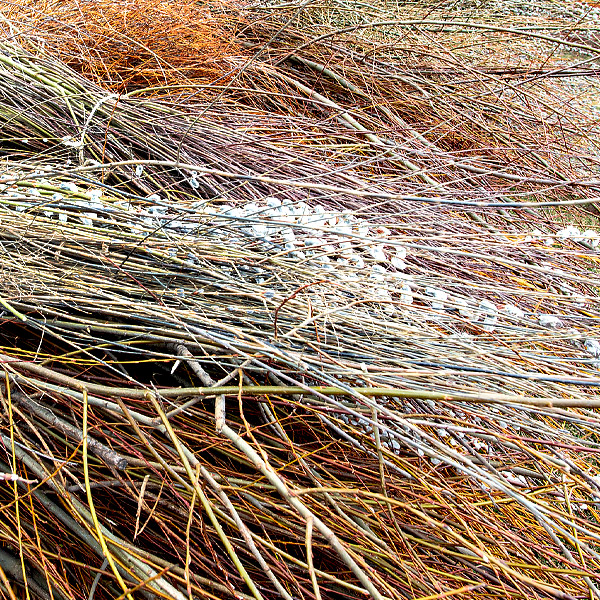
{"points": [[127, 45], [326, 327]]}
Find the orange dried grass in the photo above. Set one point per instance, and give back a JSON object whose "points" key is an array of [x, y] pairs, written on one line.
{"points": [[130, 44]]}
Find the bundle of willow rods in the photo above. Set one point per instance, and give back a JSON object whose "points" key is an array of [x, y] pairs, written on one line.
{"points": [[324, 329]]}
